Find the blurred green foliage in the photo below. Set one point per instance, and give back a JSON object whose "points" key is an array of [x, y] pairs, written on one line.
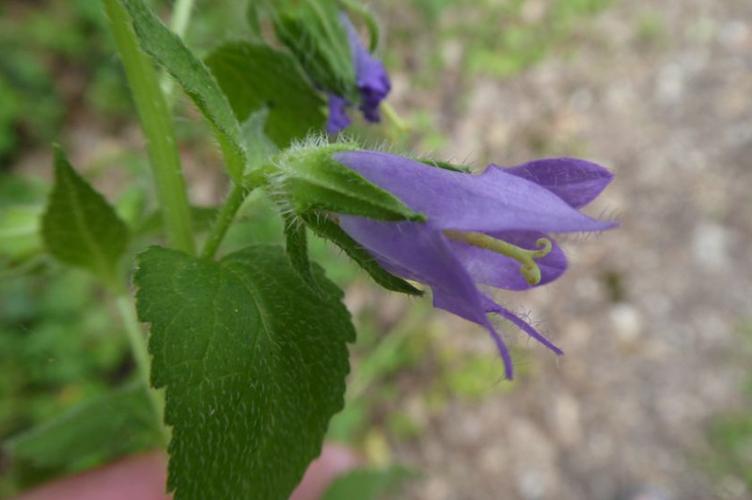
{"points": [[368, 484], [21, 205], [731, 439], [49, 75], [651, 30], [55, 349], [499, 38], [46, 71], [58, 63], [521, 38], [730, 435]]}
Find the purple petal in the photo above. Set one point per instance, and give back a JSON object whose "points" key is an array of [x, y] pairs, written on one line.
{"points": [[490, 202], [442, 302], [371, 77], [338, 119], [503, 351], [578, 182], [523, 325], [416, 251], [490, 268]]}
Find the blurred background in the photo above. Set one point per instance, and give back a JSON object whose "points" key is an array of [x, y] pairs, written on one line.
{"points": [[653, 399]]}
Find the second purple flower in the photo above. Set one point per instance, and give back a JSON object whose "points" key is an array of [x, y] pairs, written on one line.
{"points": [[371, 79]]}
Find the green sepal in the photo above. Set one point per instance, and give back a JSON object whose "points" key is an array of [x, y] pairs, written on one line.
{"points": [[329, 230], [313, 32], [445, 165], [79, 227], [309, 178], [373, 26]]}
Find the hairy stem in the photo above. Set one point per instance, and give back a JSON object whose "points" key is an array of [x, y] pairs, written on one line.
{"points": [[137, 342], [157, 126], [224, 219]]}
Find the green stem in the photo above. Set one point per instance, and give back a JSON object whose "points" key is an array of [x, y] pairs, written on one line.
{"points": [[391, 114], [235, 163], [224, 219], [157, 126], [137, 342]]}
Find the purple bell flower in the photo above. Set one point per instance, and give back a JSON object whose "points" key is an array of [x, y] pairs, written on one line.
{"points": [[371, 79], [488, 229], [338, 119]]}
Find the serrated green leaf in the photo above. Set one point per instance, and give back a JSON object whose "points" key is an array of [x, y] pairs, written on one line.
{"points": [[254, 76], [92, 433], [79, 227], [194, 77], [254, 365], [311, 179], [325, 228], [367, 484]]}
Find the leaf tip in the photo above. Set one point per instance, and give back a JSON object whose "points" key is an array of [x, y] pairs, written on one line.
{"points": [[59, 158]]}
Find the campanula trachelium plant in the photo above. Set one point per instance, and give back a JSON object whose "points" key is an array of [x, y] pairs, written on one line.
{"points": [[240, 358]]}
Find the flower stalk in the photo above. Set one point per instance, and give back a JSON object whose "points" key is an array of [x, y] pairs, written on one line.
{"points": [[224, 219]]}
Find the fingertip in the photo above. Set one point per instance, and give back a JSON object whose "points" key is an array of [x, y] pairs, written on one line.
{"points": [[334, 461], [141, 476]]}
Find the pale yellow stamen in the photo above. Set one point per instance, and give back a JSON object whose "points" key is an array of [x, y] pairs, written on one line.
{"points": [[528, 267]]}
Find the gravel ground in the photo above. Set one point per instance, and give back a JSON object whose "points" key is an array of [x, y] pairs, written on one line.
{"points": [[649, 315]]}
